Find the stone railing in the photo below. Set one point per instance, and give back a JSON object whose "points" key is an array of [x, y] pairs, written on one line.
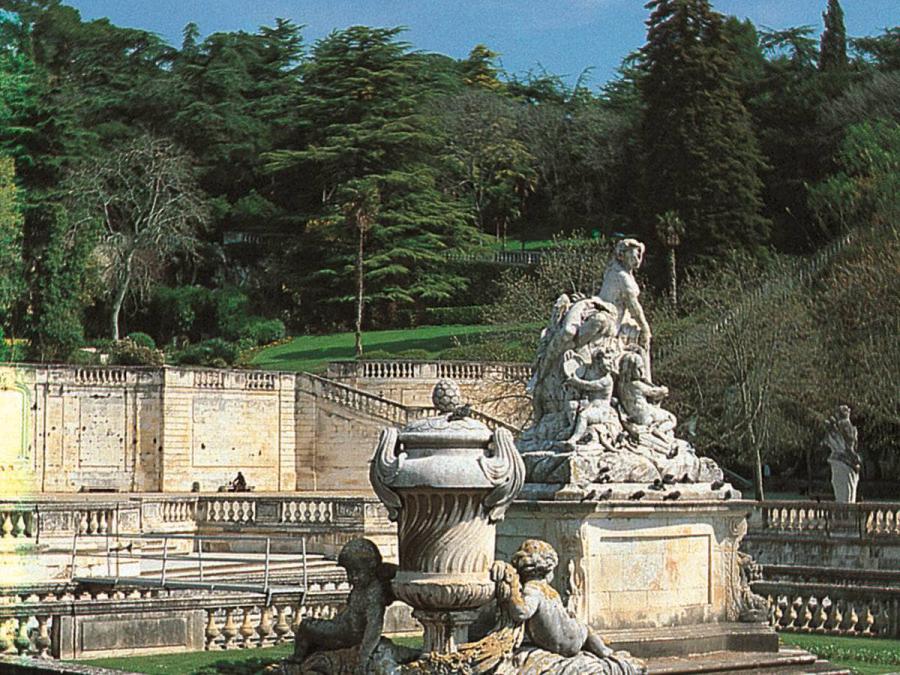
{"points": [[297, 511], [525, 258], [865, 520], [40, 621], [384, 408], [850, 610], [33, 520], [462, 371], [167, 513], [17, 521], [359, 400]]}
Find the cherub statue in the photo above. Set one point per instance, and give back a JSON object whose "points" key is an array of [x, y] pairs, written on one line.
{"points": [[753, 608], [621, 290], [557, 638], [640, 399], [591, 374], [525, 593], [360, 623]]}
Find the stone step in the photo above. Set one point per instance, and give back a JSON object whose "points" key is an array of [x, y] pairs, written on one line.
{"points": [[703, 638], [787, 661]]}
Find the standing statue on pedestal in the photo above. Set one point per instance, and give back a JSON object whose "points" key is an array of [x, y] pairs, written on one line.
{"points": [[841, 439], [597, 416], [620, 289]]}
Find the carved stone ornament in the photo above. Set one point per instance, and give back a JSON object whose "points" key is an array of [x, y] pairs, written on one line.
{"points": [[446, 480], [597, 415]]}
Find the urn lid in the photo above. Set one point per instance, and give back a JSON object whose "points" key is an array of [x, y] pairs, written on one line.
{"points": [[452, 428]]}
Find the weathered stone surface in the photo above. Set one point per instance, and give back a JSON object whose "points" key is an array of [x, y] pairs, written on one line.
{"points": [[638, 565]]}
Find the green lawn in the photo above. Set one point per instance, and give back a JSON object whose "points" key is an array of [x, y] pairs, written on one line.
{"points": [[865, 656], [312, 353], [232, 662]]}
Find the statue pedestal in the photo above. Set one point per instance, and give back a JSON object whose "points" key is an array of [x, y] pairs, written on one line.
{"points": [[636, 564]]}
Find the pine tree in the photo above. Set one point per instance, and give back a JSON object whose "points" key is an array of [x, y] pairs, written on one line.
{"points": [[377, 222], [700, 156], [833, 46]]}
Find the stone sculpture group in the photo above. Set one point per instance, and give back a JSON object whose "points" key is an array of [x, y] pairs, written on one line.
{"points": [[597, 415]]}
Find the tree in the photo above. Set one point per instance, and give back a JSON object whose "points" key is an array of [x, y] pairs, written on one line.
{"points": [[701, 157], [365, 133], [11, 287], [480, 69], [833, 45], [669, 230], [150, 208], [493, 166]]}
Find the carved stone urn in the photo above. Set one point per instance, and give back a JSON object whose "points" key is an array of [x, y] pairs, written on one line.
{"points": [[446, 480]]}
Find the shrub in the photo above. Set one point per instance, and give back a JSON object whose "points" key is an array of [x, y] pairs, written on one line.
{"points": [[231, 313], [261, 331], [127, 352], [215, 353], [377, 355], [142, 339]]}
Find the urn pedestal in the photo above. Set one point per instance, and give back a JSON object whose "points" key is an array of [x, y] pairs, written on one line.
{"points": [[668, 571], [446, 481]]}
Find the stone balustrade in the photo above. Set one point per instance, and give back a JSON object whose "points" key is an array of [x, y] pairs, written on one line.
{"points": [[386, 409], [42, 620], [35, 519], [462, 371], [866, 611], [864, 520], [17, 522]]}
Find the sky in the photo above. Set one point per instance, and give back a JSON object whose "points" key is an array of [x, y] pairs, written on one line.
{"points": [[561, 37]]}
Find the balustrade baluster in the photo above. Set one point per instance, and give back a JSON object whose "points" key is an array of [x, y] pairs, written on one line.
{"points": [[82, 522], [22, 642], [5, 640], [246, 630], [836, 618], [229, 629], [20, 525], [42, 642], [851, 619], [7, 526], [282, 627], [94, 524], [212, 630], [867, 620], [264, 629], [102, 524]]}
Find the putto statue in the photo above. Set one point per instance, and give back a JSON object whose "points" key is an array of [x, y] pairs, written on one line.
{"points": [[597, 415], [556, 642], [351, 642], [841, 439]]}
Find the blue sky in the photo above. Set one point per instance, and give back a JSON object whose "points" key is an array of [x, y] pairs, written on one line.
{"points": [[564, 37]]}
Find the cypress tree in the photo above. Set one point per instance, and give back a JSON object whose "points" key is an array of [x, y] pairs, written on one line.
{"points": [[833, 47], [700, 157]]}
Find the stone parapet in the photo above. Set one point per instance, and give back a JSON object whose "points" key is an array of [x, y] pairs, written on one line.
{"points": [[638, 565]]}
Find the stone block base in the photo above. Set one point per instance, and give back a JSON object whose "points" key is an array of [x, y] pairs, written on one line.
{"points": [[637, 564]]}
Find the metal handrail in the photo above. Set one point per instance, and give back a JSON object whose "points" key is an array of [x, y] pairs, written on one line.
{"points": [[165, 583]]}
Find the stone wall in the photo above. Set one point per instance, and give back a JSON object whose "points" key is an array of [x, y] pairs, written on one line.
{"points": [[497, 389], [70, 429]]}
